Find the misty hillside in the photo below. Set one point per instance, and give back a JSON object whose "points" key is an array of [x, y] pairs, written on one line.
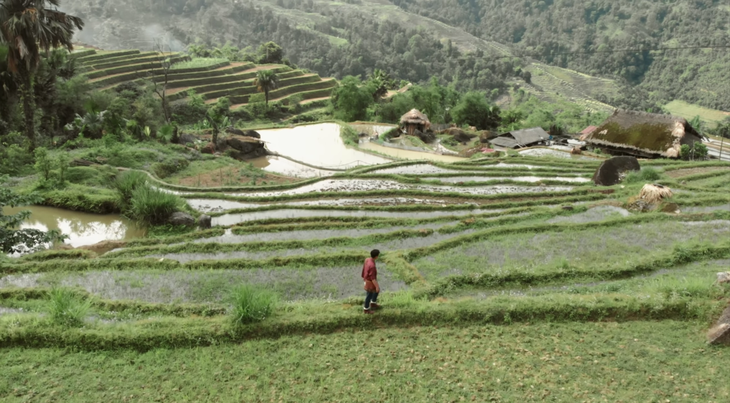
{"points": [[567, 47]]}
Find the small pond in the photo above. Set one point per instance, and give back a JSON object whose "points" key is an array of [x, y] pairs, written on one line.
{"points": [[81, 228]]}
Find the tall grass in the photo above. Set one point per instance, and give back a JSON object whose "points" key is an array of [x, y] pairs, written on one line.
{"points": [[126, 184], [152, 205], [66, 308], [252, 304], [647, 174], [695, 287]]}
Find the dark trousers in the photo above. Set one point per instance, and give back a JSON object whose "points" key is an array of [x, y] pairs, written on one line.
{"points": [[370, 297]]}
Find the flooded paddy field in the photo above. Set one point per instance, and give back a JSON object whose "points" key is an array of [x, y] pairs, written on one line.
{"points": [[218, 205], [209, 286], [293, 214], [365, 185], [590, 248], [533, 179]]}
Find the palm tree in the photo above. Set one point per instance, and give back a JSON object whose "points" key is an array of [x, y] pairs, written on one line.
{"points": [[266, 81], [29, 27]]}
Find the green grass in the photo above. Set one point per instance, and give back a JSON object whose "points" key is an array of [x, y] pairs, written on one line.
{"points": [[153, 206], [251, 304], [689, 111], [66, 309], [633, 361]]}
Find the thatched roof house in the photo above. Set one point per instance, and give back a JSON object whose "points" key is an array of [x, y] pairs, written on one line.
{"points": [[414, 120], [641, 134], [522, 138]]}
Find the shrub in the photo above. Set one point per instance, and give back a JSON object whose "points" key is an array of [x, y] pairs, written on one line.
{"points": [[43, 163], [13, 158], [169, 166], [251, 304], [66, 308], [647, 174], [152, 206], [126, 184], [84, 175]]}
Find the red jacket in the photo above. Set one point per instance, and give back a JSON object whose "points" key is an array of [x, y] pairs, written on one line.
{"points": [[369, 273]]}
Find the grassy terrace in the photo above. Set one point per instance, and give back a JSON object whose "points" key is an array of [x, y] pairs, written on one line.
{"points": [[211, 78], [493, 289]]}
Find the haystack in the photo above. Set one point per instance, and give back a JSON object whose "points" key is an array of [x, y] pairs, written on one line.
{"points": [[653, 194], [415, 120]]}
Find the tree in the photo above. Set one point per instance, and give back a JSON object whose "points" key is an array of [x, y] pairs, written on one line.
{"points": [[380, 82], [270, 52], [266, 81], [12, 239], [217, 116], [474, 110], [29, 27], [161, 88], [350, 100]]}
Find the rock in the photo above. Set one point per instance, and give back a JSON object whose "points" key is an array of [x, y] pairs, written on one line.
{"points": [[252, 133], [461, 136], [221, 144], [362, 135], [568, 208], [245, 148], [181, 219], [234, 131], [723, 277], [186, 138], [576, 151], [426, 137], [103, 246], [208, 149], [204, 221], [720, 333], [609, 173]]}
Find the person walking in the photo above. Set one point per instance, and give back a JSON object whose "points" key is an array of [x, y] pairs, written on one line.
{"points": [[370, 277]]}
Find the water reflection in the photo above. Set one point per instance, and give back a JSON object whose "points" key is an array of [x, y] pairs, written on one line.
{"points": [[81, 228]]}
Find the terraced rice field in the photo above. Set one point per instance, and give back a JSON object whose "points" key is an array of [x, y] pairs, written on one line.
{"points": [[483, 266], [209, 78]]}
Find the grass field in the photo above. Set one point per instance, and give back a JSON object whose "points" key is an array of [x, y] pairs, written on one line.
{"points": [[493, 289], [644, 361], [689, 111]]}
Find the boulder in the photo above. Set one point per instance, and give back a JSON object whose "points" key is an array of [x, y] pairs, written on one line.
{"points": [[208, 149], [252, 133], [234, 131], [723, 277], [103, 246], [245, 148], [187, 138], [427, 136], [720, 333], [204, 221], [181, 219], [462, 136], [611, 170], [576, 151]]}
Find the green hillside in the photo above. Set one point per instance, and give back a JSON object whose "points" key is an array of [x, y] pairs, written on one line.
{"points": [[209, 78]]}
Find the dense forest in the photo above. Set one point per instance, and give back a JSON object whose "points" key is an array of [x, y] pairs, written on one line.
{"points": [[587, 36], [358, 36]]}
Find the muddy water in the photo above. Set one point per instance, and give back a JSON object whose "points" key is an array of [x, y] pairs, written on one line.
{"points": [[81, 228], [216, 206], [458, 179], [547, 152], [363, 185], [372, 129], [409, 155], [319, 145], [232, 219], [283, 166], [354, 232]]}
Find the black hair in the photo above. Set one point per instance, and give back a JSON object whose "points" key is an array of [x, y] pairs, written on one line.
{"points": [[374, 253]]}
